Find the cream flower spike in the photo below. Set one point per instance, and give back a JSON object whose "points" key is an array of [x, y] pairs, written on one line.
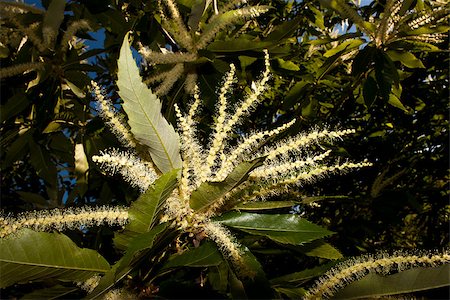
{"points": [[356, 268], [133, 169], [61, 219]]}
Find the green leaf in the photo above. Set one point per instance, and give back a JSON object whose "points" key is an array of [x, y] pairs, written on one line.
{"points": [[302, 276], [320, 249], [344, 47], [144, 211], [53, 126], [287, 65], [263, 205], [41, 162], [286, 29], [413, 280], [76, 90], [15, 105], [34, 198], [369, 91], [144, 114], [218, 277], [406, 58], [204, 256], [138, 248], [209, 192], [291, 292], [54, 292], [140, 243], [296, 93], [394, 98], [246, 61], [286, 229], [29, 256], [18, 149]]}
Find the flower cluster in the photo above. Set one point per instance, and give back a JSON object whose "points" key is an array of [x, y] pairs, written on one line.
{"points": [[354, 269]]}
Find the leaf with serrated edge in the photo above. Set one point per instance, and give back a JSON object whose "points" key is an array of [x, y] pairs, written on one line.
{"points": [[143, 108], [209, 192], [30, 255], [143, 212], [287, 229]]}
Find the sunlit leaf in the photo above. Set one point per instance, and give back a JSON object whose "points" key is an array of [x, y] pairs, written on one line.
{"points": [[143, 108]]}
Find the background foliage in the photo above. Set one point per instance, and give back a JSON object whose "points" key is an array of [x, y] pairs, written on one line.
{"points": [[327, 71]]}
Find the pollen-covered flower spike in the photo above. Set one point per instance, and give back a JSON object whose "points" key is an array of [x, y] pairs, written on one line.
{"points": [[135, 171], [382, 263], [61, 219]]}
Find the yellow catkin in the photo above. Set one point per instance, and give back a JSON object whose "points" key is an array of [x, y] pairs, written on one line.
{"points": [[132, 168], [356, 268], [116, 124], [61, 219]]}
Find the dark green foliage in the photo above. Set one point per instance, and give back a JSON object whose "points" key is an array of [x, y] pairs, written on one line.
{"points": [[395, 94]]}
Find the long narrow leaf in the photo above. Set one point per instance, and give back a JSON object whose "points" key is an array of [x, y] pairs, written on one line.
{"points": [[288, 229], [209, 192], [144, 114], [34, 255], [144, 211]]}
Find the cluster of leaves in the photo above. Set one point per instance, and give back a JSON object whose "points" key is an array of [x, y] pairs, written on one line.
{"points": [[395, 94]]}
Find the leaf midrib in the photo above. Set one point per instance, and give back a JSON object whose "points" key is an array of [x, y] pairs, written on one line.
{"points": [[52, 266], [143, 110], [270, 229]]}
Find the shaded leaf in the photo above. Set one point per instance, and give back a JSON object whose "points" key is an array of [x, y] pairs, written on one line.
{"points": [[287, 65], [370, 91], [15, 105], [291, 292], [302, 276], [53, 19], [144, 114], [218, 277], [137, 245], [320, 249], [18, 148], [204, 256], [53, 126], [54, 292], [209, 192], [30, 255], [33, 198], [263, 205], [406, 58], [417, 279], [144, 211], [288, 229], [138, 248], [344, 47]]}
